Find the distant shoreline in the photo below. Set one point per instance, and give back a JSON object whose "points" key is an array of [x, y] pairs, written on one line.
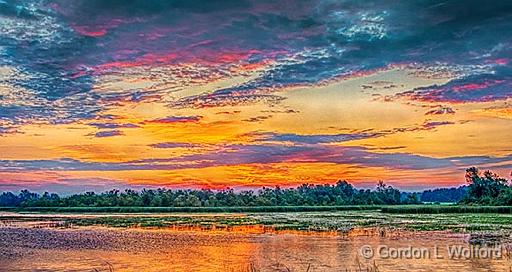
{"points": [[405, 209]]}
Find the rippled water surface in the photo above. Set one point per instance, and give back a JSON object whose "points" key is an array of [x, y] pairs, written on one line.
{"points": [[29, 248]]}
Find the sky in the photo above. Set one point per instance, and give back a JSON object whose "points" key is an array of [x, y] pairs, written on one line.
{"points": [[102, 94]]}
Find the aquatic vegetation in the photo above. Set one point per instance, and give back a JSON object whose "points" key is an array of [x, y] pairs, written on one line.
{"points": [[340, 222], [358, 267], [439, 209], [234, 209]]}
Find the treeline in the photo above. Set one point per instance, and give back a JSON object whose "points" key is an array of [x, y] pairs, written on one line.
{"points": [[444, 195], [342, 193], [484, 188]]}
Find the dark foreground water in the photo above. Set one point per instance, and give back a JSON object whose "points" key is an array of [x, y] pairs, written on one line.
{"points": [[101, 249]]}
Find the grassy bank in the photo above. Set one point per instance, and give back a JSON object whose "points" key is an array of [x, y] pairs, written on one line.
{"points": [[440, 209], [396, 209], [256, 209]]}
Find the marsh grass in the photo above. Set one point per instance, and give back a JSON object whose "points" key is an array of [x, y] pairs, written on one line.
{"points": [[330, 221], [386, 209], [358, 267], [244, 209], [440, 209], [109, 268]]}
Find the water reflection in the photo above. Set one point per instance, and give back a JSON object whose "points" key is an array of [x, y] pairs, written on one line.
{"points": [[243, 249]]}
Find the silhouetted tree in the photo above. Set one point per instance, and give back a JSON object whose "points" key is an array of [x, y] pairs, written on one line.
{"points": [[487, 189]]}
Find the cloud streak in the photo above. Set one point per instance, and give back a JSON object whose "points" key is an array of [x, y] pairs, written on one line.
{"points": [[231, 155]]}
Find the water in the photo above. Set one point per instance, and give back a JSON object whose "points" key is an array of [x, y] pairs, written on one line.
{"points": [[102, 249]]}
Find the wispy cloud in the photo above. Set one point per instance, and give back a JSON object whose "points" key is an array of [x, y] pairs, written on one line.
{"points": [[176, 119], [112, 125], [311, 139], [481, 88], [175, 145], [440, 111], [108, 133], [266, 154]]}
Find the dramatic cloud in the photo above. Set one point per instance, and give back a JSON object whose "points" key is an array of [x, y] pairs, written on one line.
{"points": [[64, 48], [111, 85]]}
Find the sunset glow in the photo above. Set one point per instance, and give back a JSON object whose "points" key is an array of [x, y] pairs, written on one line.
{"points": [[100, 94]]}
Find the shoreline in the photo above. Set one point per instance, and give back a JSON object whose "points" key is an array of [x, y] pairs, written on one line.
{"points": [[411, 209]]}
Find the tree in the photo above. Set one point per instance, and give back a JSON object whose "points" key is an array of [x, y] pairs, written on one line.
{"points": [[485, 189]]}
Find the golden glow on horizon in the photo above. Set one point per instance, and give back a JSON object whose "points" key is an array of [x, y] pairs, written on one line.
{"points": [[336, 108]]}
